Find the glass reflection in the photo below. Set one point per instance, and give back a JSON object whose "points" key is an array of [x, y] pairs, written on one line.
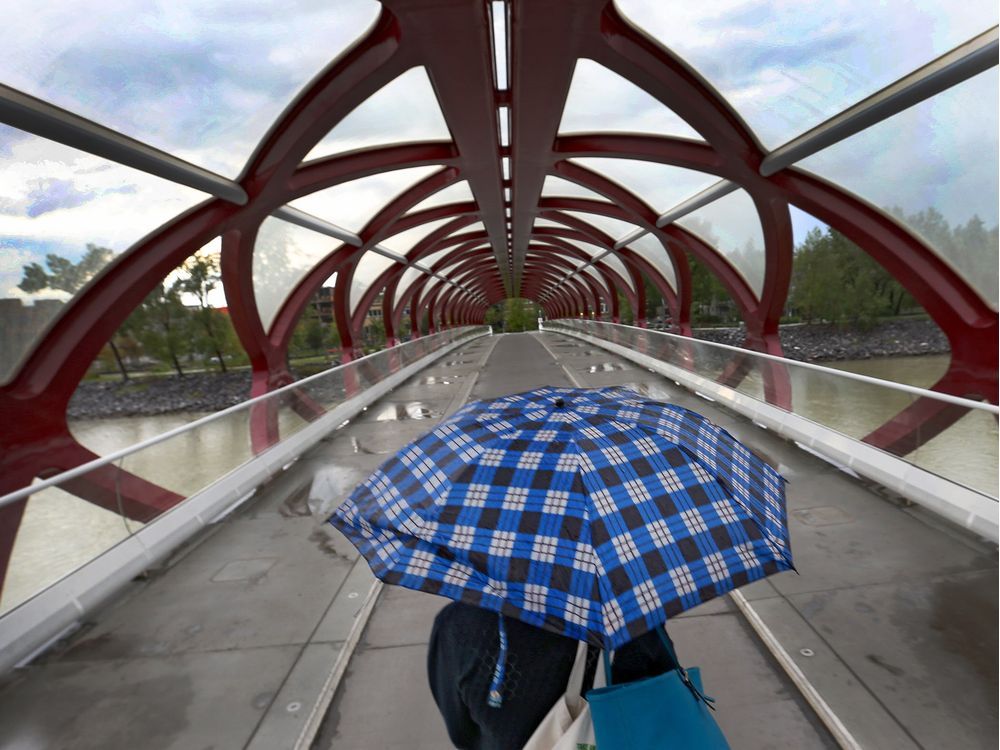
{"points": [[351, 205], [60, 531], [614, 228], [966, 453], [652, 251], [369, 268], [283, 255], [64, 216], [600, 99], [786, 71], [934, 168], [202, 80], [732, 226], [405, 109], [615, 263], [457, 193], [557, 187], [660, 185], [404, 242]]}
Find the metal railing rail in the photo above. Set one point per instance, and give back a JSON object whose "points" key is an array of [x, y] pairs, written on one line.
{"points": [[903, 387], [114, 456], [48, 614]]}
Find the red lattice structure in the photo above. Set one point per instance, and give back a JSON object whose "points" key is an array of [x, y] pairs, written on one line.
{"points": [[529, 244]]}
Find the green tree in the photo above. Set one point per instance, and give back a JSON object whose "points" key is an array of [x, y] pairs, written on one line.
{"points": [[833, 280], [625, 314], [62, 274], [710, 302], [494, 315], [654, 300], [374, 334], [162, 325], [199, 276], [520, 315]]}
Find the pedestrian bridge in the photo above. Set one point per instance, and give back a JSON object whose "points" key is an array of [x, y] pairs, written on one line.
{"points": [[238, 619]]}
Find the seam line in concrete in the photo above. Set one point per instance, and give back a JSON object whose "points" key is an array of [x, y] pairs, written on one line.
{"points": [[319, 709], [826, 714], [830, 720], [569, 374]]}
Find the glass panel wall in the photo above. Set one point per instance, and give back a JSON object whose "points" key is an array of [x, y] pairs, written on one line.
{"points": [[457, 193], [351, 205], [934, 168], [557, 187], [785, 70], [589, 248], [660, 185], [651, 250], [283, 255], [614, 228], [369, 268], [428, 261], [409, 276], [405, 241], [732, 226], [64, 216], [62, 531], [600, 99], [966, 453], [405, 109], [204, 81], [615, 263]]}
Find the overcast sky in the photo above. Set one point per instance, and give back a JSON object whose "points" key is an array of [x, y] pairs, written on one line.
{"points": [[204, 80]]}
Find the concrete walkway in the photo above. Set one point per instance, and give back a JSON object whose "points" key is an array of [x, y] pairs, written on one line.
{"points": [[242, 639]]}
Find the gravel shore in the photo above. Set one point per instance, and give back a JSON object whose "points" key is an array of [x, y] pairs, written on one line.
{"points": [[819, 343], [212, 391]]}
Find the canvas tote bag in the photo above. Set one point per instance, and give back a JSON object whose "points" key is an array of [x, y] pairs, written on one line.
{"points": [[567, 725]]}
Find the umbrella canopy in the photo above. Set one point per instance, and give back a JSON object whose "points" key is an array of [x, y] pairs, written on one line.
{"points": [[594, 513]]}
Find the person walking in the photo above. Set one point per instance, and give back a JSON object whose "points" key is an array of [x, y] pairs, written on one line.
{"points": [[462, 656]]}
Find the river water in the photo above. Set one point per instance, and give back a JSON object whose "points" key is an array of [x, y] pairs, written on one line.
{"points": [[59, 532]]}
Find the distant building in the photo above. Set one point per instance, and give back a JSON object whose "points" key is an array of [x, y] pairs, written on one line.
{"points": [[322, 303], [375, 311], [20, 326]]}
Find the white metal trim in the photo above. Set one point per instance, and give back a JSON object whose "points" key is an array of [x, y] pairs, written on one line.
{"points": [[57, 124]]}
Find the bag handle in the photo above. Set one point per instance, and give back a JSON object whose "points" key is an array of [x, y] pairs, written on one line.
{"points": [[675, 665], [575, 685]]}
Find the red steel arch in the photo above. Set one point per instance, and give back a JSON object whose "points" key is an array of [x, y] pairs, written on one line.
{"points": [[451, 40]]}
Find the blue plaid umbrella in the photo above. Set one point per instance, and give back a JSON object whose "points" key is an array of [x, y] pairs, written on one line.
{"points": [[594, 513]]}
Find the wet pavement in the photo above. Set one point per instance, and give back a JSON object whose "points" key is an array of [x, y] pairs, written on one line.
{"points": [[242, 638]]}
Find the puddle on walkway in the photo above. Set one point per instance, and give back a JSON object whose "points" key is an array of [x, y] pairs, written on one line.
{"points": [[607, 367], [648, 389], [400, 412], [457, 362], [441, 379], [357, 447]]}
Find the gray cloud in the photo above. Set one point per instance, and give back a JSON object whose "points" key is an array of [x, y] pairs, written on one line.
{"points": [[54, 194]]}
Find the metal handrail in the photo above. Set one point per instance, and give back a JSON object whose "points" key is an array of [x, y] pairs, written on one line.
{"points": [[110, 458], [912, 389]]}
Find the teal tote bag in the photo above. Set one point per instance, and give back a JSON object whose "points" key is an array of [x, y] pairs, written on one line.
{"points": [[668, 711]]}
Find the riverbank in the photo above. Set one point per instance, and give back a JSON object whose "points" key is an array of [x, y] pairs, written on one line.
{"points": [[152, 395], [213, 391], [828, 342]]}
